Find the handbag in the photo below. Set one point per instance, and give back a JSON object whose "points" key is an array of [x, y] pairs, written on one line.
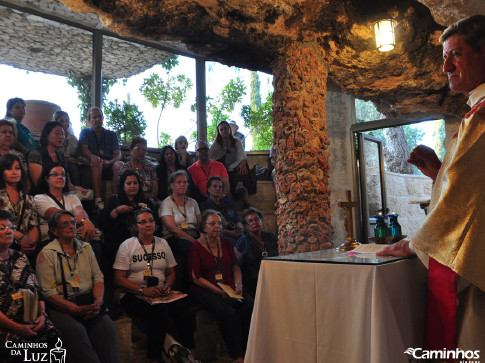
{"points": [[249, 181]]}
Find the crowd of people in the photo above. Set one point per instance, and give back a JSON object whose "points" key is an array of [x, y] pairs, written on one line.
{"points": [[171, 225]]}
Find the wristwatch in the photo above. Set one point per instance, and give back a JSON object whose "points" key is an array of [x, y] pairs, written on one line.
{"points": [[140, 291]]}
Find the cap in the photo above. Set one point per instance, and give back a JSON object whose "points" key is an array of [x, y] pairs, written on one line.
{"points": [[232, 122]]}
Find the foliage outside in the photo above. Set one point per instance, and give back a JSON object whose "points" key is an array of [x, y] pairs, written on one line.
{"points": [[171, 90], [260, 122], [83, 86], [164, 139], [219, 108], [126, 120]]}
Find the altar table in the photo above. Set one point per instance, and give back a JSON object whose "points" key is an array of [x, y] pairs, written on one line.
{"points": [[327, 306]]}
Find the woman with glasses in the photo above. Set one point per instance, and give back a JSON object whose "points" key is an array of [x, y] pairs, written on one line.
{"points": [[146, 170], [73, 288], [253, 247], [15, 274], [55, 197], [180, 217], [212, 261], [13, 197], [144, 269]]}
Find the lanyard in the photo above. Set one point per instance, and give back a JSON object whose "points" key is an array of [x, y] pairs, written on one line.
{"points": [[73, 268], [218, 258], [149, 257], [62, 205], [18, 217], [98, 143], [184, 212], [208, 173]]}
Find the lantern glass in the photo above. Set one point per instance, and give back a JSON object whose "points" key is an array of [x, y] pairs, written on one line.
{"points": [[384, 30]]}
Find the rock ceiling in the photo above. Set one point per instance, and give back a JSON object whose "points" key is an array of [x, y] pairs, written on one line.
{"points": [[252, 34]]}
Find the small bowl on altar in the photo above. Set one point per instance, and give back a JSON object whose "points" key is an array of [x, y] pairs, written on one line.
{"points": [[387, 240]]}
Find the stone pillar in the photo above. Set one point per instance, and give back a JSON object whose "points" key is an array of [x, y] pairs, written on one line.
{"points": [[301, 142]]}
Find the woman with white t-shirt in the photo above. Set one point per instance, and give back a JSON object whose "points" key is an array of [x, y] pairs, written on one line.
{"points": [[55, 197], [180, 217], [144, 268]]}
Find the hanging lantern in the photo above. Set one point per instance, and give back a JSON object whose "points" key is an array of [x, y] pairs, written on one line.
{"points": [[384, 30]]}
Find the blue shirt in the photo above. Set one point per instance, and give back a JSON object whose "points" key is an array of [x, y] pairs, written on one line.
{"points": [[102, 146]]}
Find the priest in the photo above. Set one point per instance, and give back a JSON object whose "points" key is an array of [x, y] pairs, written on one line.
{"points": [[451, 240]]}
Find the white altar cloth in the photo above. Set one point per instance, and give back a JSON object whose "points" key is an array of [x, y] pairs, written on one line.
{"points": [[308, 312]]}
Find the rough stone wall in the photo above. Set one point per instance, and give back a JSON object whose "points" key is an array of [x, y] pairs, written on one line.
{"points": [[339, 119], [401, 189], [302, 155]]}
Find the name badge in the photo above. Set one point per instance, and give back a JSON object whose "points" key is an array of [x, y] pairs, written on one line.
{"points": [[147, 273], [66, 154], [16, 296], [101, 152], [219, 278], [145, 189], [75, 286], [184, 226]]}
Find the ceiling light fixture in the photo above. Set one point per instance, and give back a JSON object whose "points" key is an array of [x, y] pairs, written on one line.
{"points": [[384, 30]]}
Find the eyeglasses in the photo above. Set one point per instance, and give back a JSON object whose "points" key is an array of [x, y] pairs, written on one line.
{"points": [[4, 228], [249, 221], [143, 150], [144, 222], [203, 149], [68, 224], [55, 175], [213, 224]]}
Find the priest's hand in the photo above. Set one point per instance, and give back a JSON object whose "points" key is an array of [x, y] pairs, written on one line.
{"points": [[400, 249], [425, 160]]}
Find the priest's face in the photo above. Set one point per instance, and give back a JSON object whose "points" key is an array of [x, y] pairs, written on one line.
{"points": [[464, 66]]}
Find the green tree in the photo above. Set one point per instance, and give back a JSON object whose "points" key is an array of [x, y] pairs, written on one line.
{"points": [[126, 120], [260, 122], [438, 137], [169, 90], [366, 111], [414, 136], [164, 139], [220, 107], [83, 86]]}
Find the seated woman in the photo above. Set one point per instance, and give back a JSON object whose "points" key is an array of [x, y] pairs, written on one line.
{"points": [[229, 150], [138, 162], [73, 288], [180, 217], [117, 217], [212, 260], [51, 138], [223, 204], [144, 269], [13, 197], [53, 185], [168, 164], [184, 156], [7, 139], [15, 274], [78, 175], [253, 246], [24, 142]]}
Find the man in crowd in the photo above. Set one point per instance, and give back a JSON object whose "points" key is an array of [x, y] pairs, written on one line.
{"points": [[101, 146], [451, 240], [205, 168], [237, 134]]}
